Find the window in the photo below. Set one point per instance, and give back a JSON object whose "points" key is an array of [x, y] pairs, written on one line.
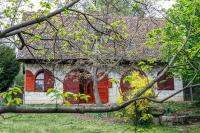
{"points": [[166, 81], [44, 80], [39, 81]]}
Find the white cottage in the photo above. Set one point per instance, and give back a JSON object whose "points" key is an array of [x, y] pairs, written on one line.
{"points": [[39, 71]]}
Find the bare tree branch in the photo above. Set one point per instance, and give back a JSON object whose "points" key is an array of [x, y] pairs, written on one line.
{"points": [[12, 30], [22, 41]]}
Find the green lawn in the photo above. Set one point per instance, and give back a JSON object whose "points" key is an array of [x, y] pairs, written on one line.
{"points": [[179, 108], [70, 123]]}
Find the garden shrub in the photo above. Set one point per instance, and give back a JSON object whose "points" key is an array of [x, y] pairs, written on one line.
{"points": [[9, 98], [139, 110], [9, 67], [19, 79], [196, 101]]}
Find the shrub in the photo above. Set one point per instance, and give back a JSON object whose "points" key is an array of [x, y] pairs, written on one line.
{"points": [[19, 80], [9, 97], [9, 67], [139, 110], [196, 102]]}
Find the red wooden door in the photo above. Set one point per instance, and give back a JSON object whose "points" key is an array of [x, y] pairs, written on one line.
{"points": [[88, 90], [74, 84], [71, 84]]}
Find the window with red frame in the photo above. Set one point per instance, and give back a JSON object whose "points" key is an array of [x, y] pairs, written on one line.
{"points": [[166, 81], [39, 81], [44, 80]]}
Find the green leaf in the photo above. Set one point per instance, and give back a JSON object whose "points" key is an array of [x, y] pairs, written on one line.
{"points": [[49, 91], [152, 60], [8, 98], [84, 97], [141, 63], [37, 37], [18, 100], [115, 81], [67, 103], [69, 95]]}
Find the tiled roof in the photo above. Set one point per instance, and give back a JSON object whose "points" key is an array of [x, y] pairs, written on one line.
{"points": [[137, 29]]}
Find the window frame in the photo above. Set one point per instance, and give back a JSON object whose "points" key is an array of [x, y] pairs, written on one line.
{"points": [[38, 73]]}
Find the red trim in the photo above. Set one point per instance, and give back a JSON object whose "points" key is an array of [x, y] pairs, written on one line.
{"points": [[39, 71], [47, 75], [29, 81], [166, 82], [36, 74], [103, 86]]}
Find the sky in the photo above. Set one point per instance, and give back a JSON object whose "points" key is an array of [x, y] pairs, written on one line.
{"points": [[162, 4], [166, 4]]}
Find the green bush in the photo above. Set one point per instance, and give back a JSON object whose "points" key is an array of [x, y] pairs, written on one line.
{"points": [[196, 98], [9, 67], [19, 80], [137, 111]]}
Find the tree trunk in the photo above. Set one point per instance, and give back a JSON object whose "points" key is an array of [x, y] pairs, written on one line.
{"points": [[95, 87]]}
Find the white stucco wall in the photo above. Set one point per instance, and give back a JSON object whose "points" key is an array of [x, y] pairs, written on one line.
{"points": [[62, 70], [178, 85], [114, 91], [39, 98]]}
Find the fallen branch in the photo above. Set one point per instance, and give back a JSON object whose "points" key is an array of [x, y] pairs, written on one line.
{"points": [[81, 108]]}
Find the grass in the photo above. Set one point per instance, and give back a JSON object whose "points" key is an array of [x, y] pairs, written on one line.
{"points": [[93, 123], [70, 123], [179, 108]]}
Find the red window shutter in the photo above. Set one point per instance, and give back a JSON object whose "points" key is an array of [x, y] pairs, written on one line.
{"points": [[161, 83], [166, 82], [103, 93], [49, 80], [88, 85], [170, 83], [29, 81], [103, 86]]}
